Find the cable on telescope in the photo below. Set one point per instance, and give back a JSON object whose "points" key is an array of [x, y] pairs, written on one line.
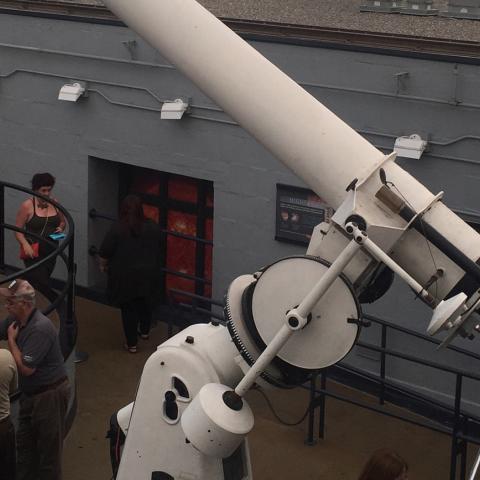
{"points": [[275, 414]]}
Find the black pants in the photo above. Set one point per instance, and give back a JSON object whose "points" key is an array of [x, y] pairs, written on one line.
{"points": [[7, 450], [136, 317], [41, 430], [40, 277]]}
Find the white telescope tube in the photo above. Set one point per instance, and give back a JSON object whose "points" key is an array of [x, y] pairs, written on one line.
{"points": [[320, 148], [308, 138]]}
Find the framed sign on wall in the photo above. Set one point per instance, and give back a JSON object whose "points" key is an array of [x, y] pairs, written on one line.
{"points": [[298, 211]]}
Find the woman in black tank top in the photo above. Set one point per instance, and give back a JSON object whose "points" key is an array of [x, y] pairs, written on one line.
{"points": [[42, 218], [42, 225]]}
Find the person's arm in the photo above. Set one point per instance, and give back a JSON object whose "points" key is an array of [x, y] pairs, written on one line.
{"points": [[61, 226], [107, 249], [18, 356], [103, 264], [14, 383], [4, 324], [23, 215]]}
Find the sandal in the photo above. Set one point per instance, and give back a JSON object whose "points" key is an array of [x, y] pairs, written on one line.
{"points": [[143, 336], [132, 349]]}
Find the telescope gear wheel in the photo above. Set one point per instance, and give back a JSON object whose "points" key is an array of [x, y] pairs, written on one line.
{"points": [[255, 310]]}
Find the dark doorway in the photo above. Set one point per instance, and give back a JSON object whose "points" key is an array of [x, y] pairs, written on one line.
{"points": [[183, 207]]}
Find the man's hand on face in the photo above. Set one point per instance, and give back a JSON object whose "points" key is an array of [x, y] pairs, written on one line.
{"points": [[12, 331]]}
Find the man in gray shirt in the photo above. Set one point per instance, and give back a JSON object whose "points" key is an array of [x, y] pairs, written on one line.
{"points": [[8, 385], [33, 341]]}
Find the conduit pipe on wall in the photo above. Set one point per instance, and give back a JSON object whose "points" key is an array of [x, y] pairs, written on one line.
{"points": [[322, 86], [231, 122]]}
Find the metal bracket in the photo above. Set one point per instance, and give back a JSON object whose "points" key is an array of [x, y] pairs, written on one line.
{"points": [[456, 100], [131, 46], [401, 84], [360, 322]]}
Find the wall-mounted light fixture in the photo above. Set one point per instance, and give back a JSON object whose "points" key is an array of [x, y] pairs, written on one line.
{"points": [[174, 110], [71, 92], [410, 147]]}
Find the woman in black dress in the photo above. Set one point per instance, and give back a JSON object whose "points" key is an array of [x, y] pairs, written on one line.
{"points": [[130, 255], [42, 218]]}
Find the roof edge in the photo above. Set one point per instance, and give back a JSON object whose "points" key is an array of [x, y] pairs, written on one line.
{"points": [[305, 35]]}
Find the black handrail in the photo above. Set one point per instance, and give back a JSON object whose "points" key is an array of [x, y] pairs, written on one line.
{"points": [[93, 251], [458, 419], [393, 387], [420, 361], [58, 251], [194, 307], [200, 281], [176, 273], [60, 247], [421, 336], [93, 213], [194, 296]]}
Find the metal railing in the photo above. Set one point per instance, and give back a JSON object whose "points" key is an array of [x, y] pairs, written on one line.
{"points": [[64, 302], [94, 214], [199, 307], [462, 426]]}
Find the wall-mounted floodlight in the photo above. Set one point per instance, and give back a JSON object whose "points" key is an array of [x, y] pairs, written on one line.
{"points": [[410, 147], [174, 110], [71, 92]]}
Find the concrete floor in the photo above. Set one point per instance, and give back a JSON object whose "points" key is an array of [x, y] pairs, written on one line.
{"points": [[108, 380]]}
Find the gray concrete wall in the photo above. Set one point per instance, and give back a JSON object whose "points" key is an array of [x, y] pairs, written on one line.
{"points": [[119, 122]]}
